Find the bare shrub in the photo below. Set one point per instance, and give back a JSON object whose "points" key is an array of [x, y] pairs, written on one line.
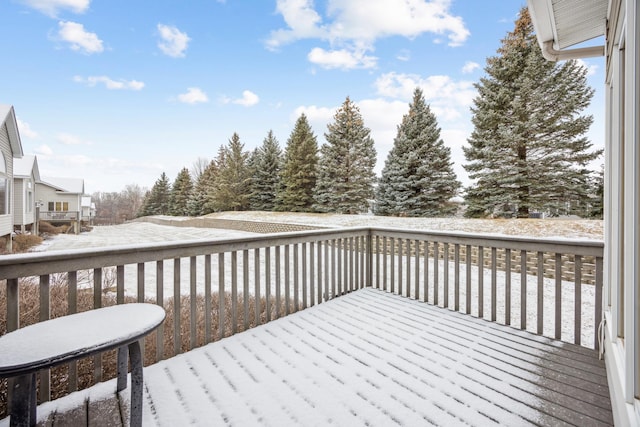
{"points": [[29, 303], [24, 242], [46, 227]]}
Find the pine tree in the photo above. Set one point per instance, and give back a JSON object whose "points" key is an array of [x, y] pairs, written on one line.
{"points": [[231, 188], [528, 151], [418, 177], [597, 199], [180, 194], [201, 200], [266, 165], [156, 202], [345, 169], [299, 169]]}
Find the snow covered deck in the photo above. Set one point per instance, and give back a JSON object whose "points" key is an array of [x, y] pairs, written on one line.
{"points": [[368, 358]]}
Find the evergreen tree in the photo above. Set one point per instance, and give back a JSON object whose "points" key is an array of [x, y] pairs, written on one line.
{"points": [[231, 188], [180, 194], [266, 167], [156, 202], [597, 200], [299, 169], [201, 200], [345, 169], [528, 151], [418, 178]]}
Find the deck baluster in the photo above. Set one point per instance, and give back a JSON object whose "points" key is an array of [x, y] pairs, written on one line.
{"points": [[523, 289], [72, 307], [193, 293], [577, 324], [494, 279], [177, 346], [245, 289], [507, 287], [540, 296], [558, 299], [160, 301]]}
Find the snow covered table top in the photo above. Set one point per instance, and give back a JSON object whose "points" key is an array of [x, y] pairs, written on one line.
{"points": [[67, 338]]}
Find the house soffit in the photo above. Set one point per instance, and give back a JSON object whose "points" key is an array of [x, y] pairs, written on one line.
{"points": [[568, 22]]}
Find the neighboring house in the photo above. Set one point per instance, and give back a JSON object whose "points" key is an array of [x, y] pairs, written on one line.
{"points": [[61, 198], [25, 175], [88, 210], [560, 25], [10, 149]]}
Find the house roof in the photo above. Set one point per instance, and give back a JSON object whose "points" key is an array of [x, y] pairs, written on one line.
{"points": [[67, 185], [8, 117], [568, 22], [22, 168]]}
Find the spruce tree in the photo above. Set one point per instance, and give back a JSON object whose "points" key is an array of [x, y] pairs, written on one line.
{"points": [[201, 201], [156, 202], [298, 178], [180, 194], [267, 165], [231, 188], [418, 177], [345, 169], [528, 151]]}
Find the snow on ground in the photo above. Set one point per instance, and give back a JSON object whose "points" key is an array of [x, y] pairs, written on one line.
{"points": [[144, 232], [130, 233], [553, 227]]}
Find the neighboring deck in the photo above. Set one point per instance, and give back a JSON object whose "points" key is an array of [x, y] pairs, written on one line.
{"points": [[371, 358]]}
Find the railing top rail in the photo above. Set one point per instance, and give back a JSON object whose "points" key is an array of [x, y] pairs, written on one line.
{"points": [[39, 263], [533, 244]]}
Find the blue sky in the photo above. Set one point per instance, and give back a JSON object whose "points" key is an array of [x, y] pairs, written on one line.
{"points": [[118, 91]]}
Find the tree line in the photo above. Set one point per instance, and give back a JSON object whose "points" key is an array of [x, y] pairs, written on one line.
{"points": [[527, 154]]}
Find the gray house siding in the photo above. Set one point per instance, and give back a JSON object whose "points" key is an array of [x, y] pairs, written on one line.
{"points": [[24, 196], [18, 201], [6, 220], [49, 195]]}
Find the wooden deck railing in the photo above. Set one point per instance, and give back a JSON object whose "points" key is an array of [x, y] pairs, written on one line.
{"points": [[59, 215], [486, 276]]}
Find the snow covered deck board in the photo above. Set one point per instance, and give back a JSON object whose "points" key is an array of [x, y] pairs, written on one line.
{"points": [[373, 358]]}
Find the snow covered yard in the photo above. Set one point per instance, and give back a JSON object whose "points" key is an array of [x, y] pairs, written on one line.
{"points": [[142, 232]]}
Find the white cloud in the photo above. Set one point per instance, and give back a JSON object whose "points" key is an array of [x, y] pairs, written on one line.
{"points": [[110, 83], [355, 25], [303, 22], [194, 95], [343, 59], [77, 160], [69, 139], [449, 99], [25, 130], [52, 7], [317, 115], [44, 150], [592, 69], [79, 39], [367, 21], [248, 99], [470, 67], [173, 42], [404, 55]]}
